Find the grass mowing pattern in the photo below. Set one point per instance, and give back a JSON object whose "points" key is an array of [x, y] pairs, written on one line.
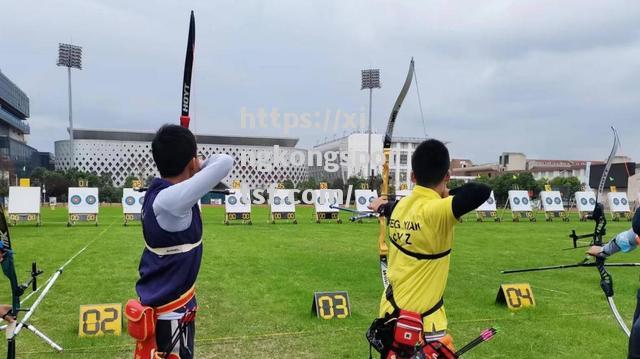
{"points": [[256, 286]]}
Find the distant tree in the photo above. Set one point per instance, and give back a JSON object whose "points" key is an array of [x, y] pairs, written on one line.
{"points": [[501, 186], [455, 183], [288, 184], [128, 182], [567, 185], [337, 183]]}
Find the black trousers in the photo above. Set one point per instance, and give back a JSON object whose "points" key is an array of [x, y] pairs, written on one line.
{"points": [[165, 333]]}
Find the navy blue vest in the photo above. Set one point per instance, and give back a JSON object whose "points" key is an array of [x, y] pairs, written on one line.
{"points": [[164, 279]]}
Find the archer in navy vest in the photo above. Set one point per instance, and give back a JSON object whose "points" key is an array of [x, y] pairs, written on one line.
{"points": [[164, 279]]}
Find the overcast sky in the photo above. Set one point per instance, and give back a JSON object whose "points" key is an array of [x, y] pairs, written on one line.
{"points": [[546, 78]]}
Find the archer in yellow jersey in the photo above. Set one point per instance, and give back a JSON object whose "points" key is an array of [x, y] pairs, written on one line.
{"points": [[421, 230]]}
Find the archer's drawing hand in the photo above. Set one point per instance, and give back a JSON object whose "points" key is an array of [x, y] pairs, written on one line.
{"points": [[596, 251], [376, 203]]}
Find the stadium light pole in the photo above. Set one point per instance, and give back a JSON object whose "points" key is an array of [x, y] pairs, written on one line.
{"points": [[70, 56], [370, 80]]}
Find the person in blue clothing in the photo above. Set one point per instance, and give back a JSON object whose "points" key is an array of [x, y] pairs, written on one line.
{"points": [[625, 242], [172, 229]]}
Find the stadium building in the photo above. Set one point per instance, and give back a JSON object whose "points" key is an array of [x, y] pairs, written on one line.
{"points": [[356, 144], [18, 158], [124, 154]]}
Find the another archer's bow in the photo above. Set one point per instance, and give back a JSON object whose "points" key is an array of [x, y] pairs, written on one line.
{"points": [[188, 67], [383, 249], [8, 268], [600, 230]]}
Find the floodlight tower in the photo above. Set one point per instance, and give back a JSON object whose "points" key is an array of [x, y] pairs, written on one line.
{"points": [[370, 80], [70, 56]]}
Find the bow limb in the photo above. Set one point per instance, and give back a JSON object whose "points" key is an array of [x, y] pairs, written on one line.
{"points": [[9, 270], [188, 69], [383, 249], [606, 281]]}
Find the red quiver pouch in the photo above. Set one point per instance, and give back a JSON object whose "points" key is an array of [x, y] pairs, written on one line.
{"points": [[408, 329], [141, 320]]}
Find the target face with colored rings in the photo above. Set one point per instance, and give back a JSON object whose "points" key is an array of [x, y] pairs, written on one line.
{"points": [[91, 199], [76, 199], [277, 200], [130, 200], [232, 200]]}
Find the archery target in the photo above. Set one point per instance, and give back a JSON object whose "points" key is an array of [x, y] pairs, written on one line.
{"points": [[323, 199], [552, 201], [283, 201], [489, 205], [237, 202], [519, 201], [618, 202], [24, 200], [585, 201], [403, 193], [363, 198], [132, 201], [83, 200]]}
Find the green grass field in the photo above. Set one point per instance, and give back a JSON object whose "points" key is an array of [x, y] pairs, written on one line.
{"points": [[256, 285]]}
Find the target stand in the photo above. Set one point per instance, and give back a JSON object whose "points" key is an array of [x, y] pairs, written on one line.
{"points": [[585, 204], [520, 206], [283, 216], [283, 206], [132, 217], [24, 205], [481, 216], [323, 201], [327, 216], [82, 217], [83, 205], [237, 206], [619, 205], [14, 218], [550, 215], [618, 216], [488, 210], [132, 201], [364, 197], [517, 215], [552, 205], [244, 217]]}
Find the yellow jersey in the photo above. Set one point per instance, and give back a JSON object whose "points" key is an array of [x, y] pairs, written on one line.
{"points": [[421, 223]]}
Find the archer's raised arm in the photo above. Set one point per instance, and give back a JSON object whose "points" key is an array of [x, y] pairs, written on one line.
{"points": [[468, 197]]}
